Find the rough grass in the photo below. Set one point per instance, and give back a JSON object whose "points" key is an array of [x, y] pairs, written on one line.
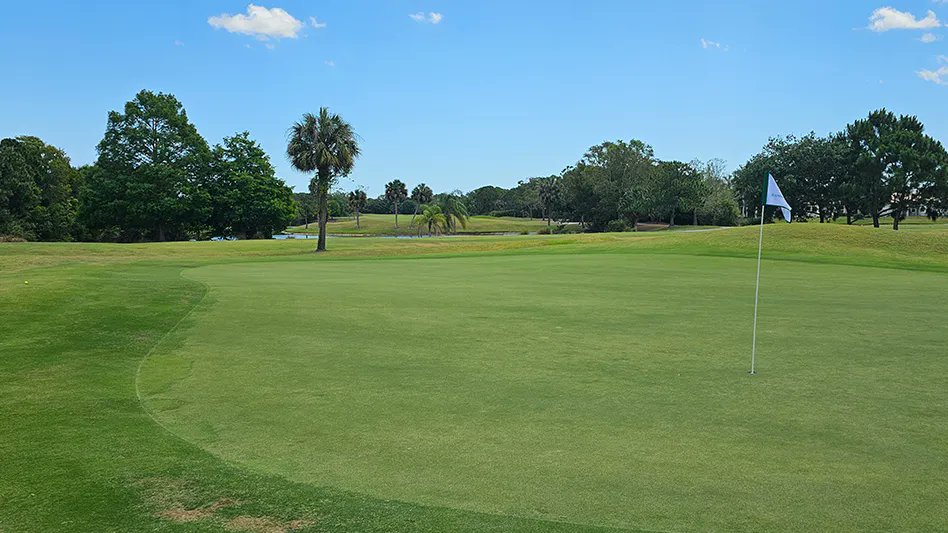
{"points": [[848, 409]]}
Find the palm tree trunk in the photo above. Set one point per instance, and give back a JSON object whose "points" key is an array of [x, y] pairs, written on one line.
{"points": [[323, 217], [396, 214]]}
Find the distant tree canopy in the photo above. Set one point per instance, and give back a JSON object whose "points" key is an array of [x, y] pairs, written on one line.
{"points": [[149, 181], [38, 191], [247, 200], [156, 178], [879, 166]]}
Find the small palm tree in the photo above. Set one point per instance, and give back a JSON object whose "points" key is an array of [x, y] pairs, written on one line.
{"points": [[432, 218], [421, 195], [455, 212], [396, 192], [327, 145], [357, 201], [548, 191]]}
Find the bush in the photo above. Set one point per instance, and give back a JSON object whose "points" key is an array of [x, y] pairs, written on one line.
{"points": [[544, 231], [503, 213], [720, 209], [617, 226], [567, 229]]}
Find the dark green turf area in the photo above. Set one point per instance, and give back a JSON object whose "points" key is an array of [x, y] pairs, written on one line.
{"points": [[492, 384]]}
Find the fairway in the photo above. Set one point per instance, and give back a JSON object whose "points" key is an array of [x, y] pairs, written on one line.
{"points": [[598, 389], [384, 225]]}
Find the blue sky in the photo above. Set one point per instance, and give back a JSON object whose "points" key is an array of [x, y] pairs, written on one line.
{"points": [[462, 94]]}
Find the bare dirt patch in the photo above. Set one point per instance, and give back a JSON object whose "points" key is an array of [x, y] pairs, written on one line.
{"points": [[180, 514]]}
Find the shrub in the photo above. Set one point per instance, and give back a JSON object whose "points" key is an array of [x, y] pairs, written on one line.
{"points": [[617, 226], [720, 209], [567, 229], [544, 231]]}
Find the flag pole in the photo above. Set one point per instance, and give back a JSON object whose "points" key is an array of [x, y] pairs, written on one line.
{"points": [[760, 244]]}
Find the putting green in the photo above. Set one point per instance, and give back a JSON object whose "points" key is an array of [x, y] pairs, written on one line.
{"points": [[604, 389]]}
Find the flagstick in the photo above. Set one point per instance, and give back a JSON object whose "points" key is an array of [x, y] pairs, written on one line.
{"points": [[760, 244]]}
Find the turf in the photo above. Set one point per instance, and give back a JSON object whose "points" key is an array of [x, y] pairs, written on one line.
{"points": [[384, 225], [487, 383]]}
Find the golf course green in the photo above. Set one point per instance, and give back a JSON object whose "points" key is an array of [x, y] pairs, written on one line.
{"points": [[535, 383]]}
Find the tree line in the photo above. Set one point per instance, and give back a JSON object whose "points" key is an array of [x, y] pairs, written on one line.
{"points": [[880, 166], [157, 179]]}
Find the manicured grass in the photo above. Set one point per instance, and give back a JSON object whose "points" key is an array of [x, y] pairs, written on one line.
{"points": [[384, 225], [486, 383]]}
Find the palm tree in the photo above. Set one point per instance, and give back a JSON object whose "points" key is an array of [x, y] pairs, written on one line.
{"points": [[455, 212], [395, 192], [432, 217], [421, 195], [548, 191], [357, 201], [327, 145]]}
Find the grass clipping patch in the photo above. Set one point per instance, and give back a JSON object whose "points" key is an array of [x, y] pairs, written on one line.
{"points": [[169, 497]]}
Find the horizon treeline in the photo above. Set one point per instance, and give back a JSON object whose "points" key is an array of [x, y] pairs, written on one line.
{"points": [[157, 179]]}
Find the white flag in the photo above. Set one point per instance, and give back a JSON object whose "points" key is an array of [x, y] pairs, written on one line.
{"points": [[773, 196]]}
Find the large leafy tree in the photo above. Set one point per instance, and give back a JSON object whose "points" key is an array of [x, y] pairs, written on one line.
{"points": [[38, 190], [325, 144], [19, 193], [871, 159], [920, 171], [595, 188], [780, 158], [396, 192], [357, 199], [672, 188], [484, 200], [150, 173], [247, 199], [894, 165]]}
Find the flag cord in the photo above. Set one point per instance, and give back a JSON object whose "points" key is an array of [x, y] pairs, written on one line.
{"points": [[760, 243]]}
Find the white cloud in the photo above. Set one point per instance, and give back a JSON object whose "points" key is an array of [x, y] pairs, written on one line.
{"points": [[260, 22], [316, 23], [330, 63], [929, 38], [178, 42], [706, 44], [938, 76], [889, 18], [430, 18]]}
